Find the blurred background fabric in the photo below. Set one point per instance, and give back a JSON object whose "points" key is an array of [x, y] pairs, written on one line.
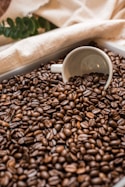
{"points": [[3, 6], [77, 20], [65, 13]]}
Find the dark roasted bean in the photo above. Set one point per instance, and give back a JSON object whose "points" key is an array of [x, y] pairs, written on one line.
{"points": [[81, 170], [4, 180], [63, 134], [67, 131], [91, 151], [62, 97], [21, 184], [115, 142], [54, 180], [96, 181], [71, 168], [98, 91], [96, 111], [87, 93], [99, 143], [107, 157], [94, 173], [90, 115]]}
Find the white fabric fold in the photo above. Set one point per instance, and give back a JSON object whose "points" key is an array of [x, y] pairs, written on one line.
{"points": [[33, 48], [22, 8], [78, 20]]}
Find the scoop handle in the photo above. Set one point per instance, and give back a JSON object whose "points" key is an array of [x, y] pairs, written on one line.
{"points": [[56, 68]]}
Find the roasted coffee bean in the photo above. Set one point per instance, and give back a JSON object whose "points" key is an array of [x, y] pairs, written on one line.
{"points": [[88, 157], [99, 143], [105, 168], [106, 138], [96, 181], [94, 173], [63, 134], [53, 181], [62, 97], [71, 168], [96, 90], [87, 93], [107, 157], [59, 148], [1, 86], [115, 142], [91, 151], [65, 102], [4, 181], [77, 117], [90, 115], [21, 184], [112, 123], [44, 174], [67, 132], [121, 121], [81, 170], [67, 119], [84, 125], [101, 105], [48, 123], [83, 137], [65, 182], [96, 110]]}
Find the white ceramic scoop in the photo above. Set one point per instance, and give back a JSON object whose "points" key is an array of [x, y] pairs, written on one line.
{"points": [[85, 60]]}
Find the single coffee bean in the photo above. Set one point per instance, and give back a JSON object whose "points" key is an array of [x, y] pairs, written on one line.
{"points": [[96, 180], [65, 102], [87, 93], [77, 117], [94, 173], [44, 174], [59, 148], [121, 122], [84, 125], [96, 110], [91, 151], [96, 90], [98, 157], [62, 97], [67, 131], [102, 131], [81, 170], [107, 157], [65, 182], [4, 180], [101, 105], [83, 137], [60, 115], [88, 157], [67, 119], [105, 169], [48, 123], [112, 123], [90, 115], [21, 184], [115, 142], [71, 168], [114, 104], [118, 161], [99, 143], [106, 138]]}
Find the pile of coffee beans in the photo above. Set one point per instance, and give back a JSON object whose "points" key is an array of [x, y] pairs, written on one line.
{"points": [[63, 135]]}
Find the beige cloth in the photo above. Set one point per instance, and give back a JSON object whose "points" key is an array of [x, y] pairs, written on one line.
{"points": [[78, 20]]}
